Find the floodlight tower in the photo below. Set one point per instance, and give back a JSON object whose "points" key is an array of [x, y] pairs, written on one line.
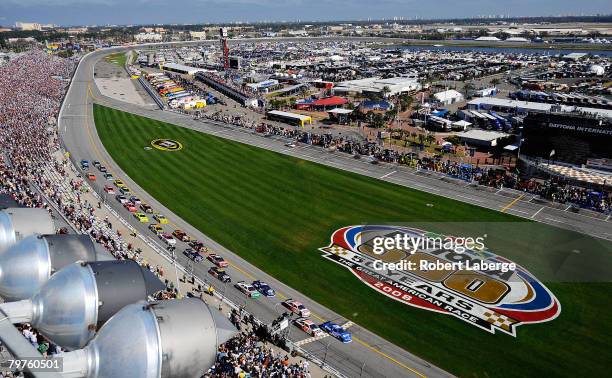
{"points": [[224, 47]]}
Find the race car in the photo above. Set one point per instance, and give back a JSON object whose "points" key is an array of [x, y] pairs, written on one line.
{"points": [[146, 208], [141, 217], [217, 260], [135, 200], [197, 245], [220, 274], [121, 199], [125, 191], [264, 288], [119, 184], [96, 163], [296, 307], [102, 169], [130, 207], [247, 289], [84, 164], [337, 331], [193, 255], [109, 176], [181, 235], [161, 218], [168, 239], [308, 326], [109, 189], [91, 176], [156, 228]]}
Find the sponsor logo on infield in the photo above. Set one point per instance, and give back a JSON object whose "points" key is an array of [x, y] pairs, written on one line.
{"points": [[474, 285], [167, 145]]}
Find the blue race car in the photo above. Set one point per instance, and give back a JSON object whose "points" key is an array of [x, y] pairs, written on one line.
{"points": [[264, 288], [336, 331]]}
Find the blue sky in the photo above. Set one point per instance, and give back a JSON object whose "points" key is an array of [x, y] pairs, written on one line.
{"points": [[100, 12]]}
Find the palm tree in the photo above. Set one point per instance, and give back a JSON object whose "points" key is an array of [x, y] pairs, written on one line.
{"points": [[467, 88], [430, 139], [386, 90]]}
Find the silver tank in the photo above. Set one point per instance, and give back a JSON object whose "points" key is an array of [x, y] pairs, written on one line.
{"points": [[66, 308], [17, 223], [167, 339], [28, 264]]}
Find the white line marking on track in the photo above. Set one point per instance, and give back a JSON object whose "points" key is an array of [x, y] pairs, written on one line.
{"points": [[537, 212], [387, 175], [518, 211], [554, 220], [468, 198]]}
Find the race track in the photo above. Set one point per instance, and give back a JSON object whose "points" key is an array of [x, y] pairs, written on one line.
{"points": [[368, 355]]}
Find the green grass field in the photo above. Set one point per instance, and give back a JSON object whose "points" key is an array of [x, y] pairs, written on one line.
{"points": [[117, 58], [276, 211]]}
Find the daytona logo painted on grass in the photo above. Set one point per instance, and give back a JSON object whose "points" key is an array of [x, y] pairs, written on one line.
{"points": [[491, 300], [167, 145]]}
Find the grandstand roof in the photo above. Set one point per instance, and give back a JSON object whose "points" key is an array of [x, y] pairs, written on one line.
{"points": [[533, 106]]}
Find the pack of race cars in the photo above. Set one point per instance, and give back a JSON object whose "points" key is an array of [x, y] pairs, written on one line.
{"points": [[197, 252]]}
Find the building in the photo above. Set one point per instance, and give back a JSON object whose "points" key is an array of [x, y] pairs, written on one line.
{"points": [[290, 118], [448, 97], [148, 37], [75, 31], [180, 68], [514, 106], [29, 26], [322, 104], [383, 87], [517, 40], [574, 137], [484, 138], [487, 39], [197, 35], [264, 86]]}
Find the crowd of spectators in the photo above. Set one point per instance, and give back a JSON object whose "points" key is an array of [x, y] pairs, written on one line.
{"points": [[552, 189], [35, 173], [249, 354]]}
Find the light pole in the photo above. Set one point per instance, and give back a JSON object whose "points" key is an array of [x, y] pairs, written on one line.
{"points": [[178, 282]]}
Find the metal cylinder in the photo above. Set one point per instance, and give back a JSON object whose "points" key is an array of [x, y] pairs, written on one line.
{"points": [[18, 223], [164, 339], [28, 264]]}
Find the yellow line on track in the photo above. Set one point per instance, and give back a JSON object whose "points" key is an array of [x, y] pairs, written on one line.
{"points": [[383, 354], [514, 201]]}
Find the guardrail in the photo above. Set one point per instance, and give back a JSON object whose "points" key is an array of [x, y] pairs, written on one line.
{"points": [[152, 93]]}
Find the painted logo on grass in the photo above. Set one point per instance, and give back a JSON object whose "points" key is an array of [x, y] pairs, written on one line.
{"points": [[472, 284], [167, 145]]}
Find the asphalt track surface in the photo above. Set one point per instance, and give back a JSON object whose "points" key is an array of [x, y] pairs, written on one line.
{"points": [[368, 354]]}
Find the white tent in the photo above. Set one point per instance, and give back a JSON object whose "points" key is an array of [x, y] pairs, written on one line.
{"points": [[448, 97]]}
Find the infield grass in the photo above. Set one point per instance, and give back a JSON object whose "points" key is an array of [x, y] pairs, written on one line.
{"points": [[117, 58], [276, 211]]}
